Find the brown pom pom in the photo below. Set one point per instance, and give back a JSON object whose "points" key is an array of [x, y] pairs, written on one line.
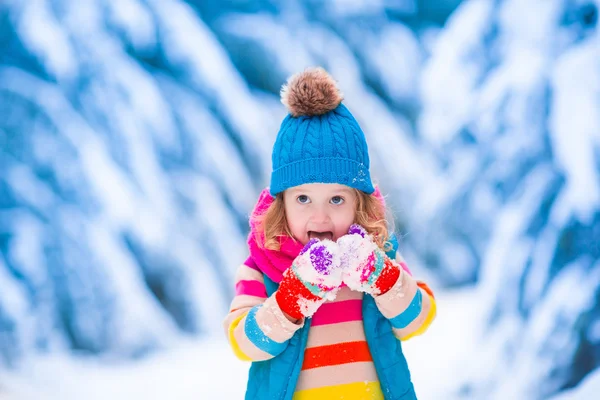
{"points": [[312, 92]]}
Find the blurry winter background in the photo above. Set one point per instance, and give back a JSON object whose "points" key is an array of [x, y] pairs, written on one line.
{"points": [[135, 136]]}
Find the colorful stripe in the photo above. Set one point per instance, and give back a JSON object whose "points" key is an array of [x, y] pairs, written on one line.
{"points": [[337, 375], [245, 273], [339, 311], [426, 288], [243, 301], [250, 288], [411, 313], [234, 345], [258, 337], [336, 354], [430, 317], [378, 265], [405, 267], [350, 391], [324, 335], [266, 329]]}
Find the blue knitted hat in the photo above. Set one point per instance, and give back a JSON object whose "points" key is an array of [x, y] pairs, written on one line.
{"points": [[319, 141]]}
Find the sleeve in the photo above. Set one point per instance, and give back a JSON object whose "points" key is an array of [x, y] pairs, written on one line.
{"points": [[409, 304], [255, 326]]}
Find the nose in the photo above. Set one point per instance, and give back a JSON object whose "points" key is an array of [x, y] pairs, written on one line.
{"points": [[320, 215]]}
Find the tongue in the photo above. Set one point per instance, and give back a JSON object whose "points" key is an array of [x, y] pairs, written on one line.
{"points": [[320, 235]]}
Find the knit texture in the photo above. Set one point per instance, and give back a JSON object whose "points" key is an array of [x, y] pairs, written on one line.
{"points": [[314, 275], [366, 267], [324, 148]]}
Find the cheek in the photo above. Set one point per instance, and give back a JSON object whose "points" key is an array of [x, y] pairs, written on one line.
{"points": [[343, 222], [296, 223], [295, 226]]}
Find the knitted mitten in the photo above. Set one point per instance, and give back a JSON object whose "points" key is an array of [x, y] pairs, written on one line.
{"points": [[365, 266], [314, 276]]}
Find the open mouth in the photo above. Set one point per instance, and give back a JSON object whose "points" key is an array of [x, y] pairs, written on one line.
{"points": [[320, 235]]}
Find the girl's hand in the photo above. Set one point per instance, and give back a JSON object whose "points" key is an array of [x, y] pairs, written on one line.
{"points": [[315, 276], [365, 266]]}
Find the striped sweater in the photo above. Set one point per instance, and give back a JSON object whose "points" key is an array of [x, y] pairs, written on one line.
{"points": [[337, 362]]}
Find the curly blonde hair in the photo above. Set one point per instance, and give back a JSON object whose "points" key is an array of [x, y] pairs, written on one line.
{"points": [[371, 214]]}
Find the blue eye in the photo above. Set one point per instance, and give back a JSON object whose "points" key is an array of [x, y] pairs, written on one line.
{"points": [[303, 199], [337, 200]]}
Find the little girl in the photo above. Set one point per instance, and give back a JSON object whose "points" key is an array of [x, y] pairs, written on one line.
{"points": [[324, 300]]}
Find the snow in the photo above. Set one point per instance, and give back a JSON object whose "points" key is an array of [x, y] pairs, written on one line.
{"points": [[26, 248], [33, 190], [140, 106], [357, 254], [190, 370], [456, 68], [507, 246], [271, 33], [399, 72], [207, 369], [586, 390], [214, 151], [44, 37], [139, 310], [355, 7], [529, 25], [326, 256], [575, 125], [191, 46], [134, 20], [132, 147]]}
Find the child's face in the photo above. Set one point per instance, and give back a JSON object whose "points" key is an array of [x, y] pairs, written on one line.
{"points": [[319, 210]]}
